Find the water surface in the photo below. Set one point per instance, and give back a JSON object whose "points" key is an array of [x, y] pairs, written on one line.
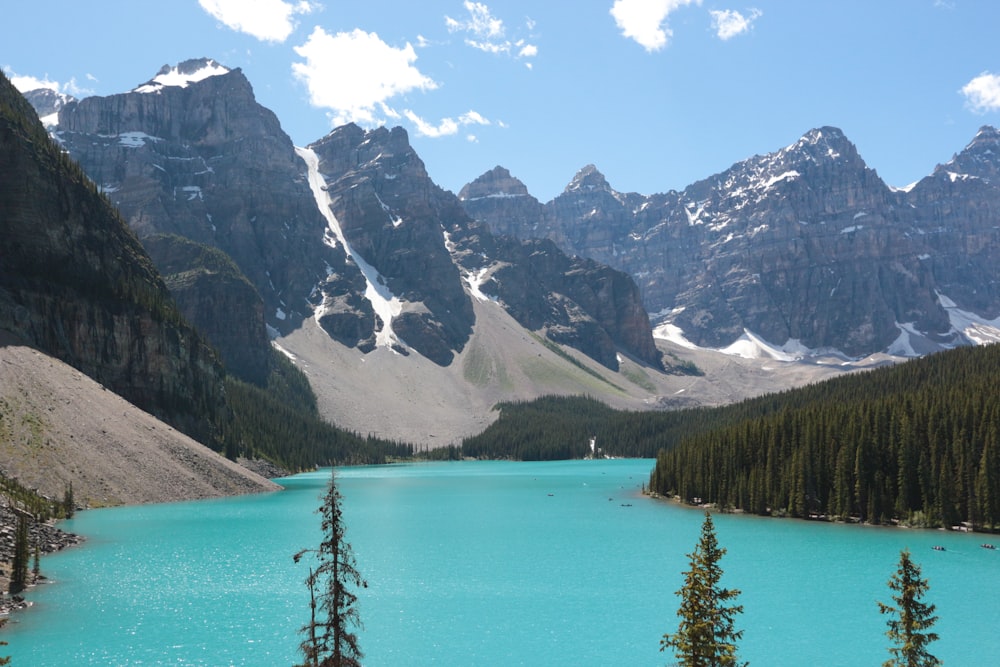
{"points": [[485, 563]]}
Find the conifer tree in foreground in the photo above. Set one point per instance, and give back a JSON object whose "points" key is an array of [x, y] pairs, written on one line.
{"points": [[911, 617], [706, 635], [330, 640]]}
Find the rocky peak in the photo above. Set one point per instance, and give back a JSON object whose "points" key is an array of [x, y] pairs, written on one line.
{"points": [[392, 218], [388, 153], [826, 142], [47, 104], [588, 179], [497, 182], [182, 75], [503, 203], [979, 159], [192, 153], [819, 150]]}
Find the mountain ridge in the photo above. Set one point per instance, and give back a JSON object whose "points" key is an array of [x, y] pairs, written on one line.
{"points": [[770, 246]]}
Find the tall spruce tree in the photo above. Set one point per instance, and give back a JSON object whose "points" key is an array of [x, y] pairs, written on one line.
{"points": [[706, 635], [330, 637], [911, 618], [22, 554]]}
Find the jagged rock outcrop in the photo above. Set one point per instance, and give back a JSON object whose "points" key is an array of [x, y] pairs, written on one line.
{"points": [[806, 245], [430, 252], [504, 201], [76, 283], [956, 210], [394, 217], [206, 283], [192, 153]]}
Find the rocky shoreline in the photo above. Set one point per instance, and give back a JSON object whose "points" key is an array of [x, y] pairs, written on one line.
{"points": [[46, 535]]}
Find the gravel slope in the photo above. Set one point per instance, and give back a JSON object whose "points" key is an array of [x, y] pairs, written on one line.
{"points": [[57, 426], [413, 400]]}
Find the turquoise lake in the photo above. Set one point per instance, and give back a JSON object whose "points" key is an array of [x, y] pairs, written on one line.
{"points": [[486, 563]]}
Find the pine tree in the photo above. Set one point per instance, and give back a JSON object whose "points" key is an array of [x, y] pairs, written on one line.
{"points": [[22, 555], [69, 504], [330, 640], [912, 618], [706, 635]]}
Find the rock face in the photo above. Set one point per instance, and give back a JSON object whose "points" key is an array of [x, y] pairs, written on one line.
{"points": [[191, 153], [76, 283], [205, 282], [393, 217], [504, 201], [432, 255], [805, 245]]}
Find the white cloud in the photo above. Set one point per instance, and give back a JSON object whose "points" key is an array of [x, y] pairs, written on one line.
{"points": [[729, 23], [480, 23], [26, 83], [267, 20], [488, 34], [982, 94], [645, 20], [447, 126], [355, 74]]}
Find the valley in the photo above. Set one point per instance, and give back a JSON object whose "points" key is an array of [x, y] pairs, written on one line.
{"points": [[413, 312]]}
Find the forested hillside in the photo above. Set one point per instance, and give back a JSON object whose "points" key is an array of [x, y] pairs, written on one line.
{"points": [[915, 443], [76, 284]]}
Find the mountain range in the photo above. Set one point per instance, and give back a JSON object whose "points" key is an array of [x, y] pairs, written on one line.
{"points": [[413, 311], [805, 248]]}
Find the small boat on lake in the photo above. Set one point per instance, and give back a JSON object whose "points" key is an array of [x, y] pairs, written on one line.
{"points": [[987, 545], [938, 547]]}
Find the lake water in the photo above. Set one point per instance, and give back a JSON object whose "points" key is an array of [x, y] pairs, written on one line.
{"points": [[485, 563]]}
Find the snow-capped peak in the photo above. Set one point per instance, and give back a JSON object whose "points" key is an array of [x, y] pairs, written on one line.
{"points": [[182, 75]]}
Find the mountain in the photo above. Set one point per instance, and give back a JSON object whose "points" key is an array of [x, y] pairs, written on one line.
{"points": [[191, 153], [75, 282], [350, 230], [81, 304], [416, 240], [805, 248]]}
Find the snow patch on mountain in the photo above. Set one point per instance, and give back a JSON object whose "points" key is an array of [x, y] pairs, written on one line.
{"points": [[674, 334], [747, 346], [182, 75], [751, 346], [475, 282], [975, 329], [966, 328], [385, 304]]}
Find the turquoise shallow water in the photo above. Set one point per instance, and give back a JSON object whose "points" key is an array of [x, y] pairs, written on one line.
{"points": [[485, 563]]}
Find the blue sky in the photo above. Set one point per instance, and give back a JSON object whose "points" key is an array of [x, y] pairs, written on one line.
{"points": [[656, 93]]}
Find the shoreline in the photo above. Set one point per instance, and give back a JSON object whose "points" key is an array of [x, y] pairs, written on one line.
{"points": [[817, 518]]}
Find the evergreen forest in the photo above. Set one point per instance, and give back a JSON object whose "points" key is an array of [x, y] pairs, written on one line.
{"points": [[279, 421], [915, 443]]}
